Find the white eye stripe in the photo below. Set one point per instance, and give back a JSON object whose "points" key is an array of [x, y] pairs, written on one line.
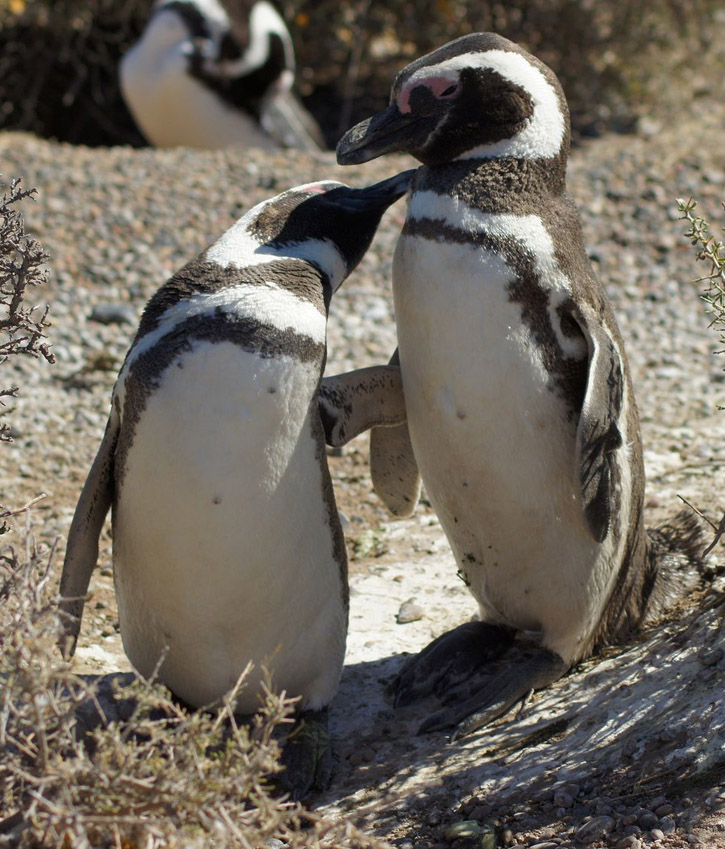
{"points": [[543, 135], [528, 231]]}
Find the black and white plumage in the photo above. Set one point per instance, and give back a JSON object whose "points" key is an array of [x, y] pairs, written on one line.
{"points": [[227, 546], [212, 74], [520, 411]]}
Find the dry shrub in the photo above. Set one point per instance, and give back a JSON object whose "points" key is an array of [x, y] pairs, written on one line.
{"points": [[711, 252], [59, 68], [22, 266], [160, 776]]}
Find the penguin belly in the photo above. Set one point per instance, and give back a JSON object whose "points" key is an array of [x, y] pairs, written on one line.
{"points": [[173, 109], [495, 447], [223, 540]]}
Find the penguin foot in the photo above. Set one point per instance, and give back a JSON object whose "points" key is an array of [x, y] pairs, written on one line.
{"points": [[449, 660], [307, 756], [531, 669]]}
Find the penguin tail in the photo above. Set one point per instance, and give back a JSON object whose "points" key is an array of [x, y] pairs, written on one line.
{"points": [[678, 560]]}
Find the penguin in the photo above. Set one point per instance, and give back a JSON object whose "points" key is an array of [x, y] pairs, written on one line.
{"points": [[227, 547], [521, 418], [211, 74]]}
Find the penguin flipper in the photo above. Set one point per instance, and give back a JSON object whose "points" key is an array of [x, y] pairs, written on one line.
{"points": [[393, 468], [355, 401], [598, 433], [396, 479], [82, 547]]}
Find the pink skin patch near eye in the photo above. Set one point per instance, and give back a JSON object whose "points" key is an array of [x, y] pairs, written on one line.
{"points": [[318, 188], [437, 85]]}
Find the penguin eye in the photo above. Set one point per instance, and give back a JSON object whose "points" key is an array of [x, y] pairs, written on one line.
{"points": [[451, 90]]}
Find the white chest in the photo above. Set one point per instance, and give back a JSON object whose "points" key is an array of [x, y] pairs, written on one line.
{"points": [[493, 441], [174, 109], [223, 539]]}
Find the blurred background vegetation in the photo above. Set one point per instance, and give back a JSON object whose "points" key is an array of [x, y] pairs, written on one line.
{"points": [[618, 59]]}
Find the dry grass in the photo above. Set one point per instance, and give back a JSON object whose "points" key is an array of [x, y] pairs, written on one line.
{"points": [[159, 776]]}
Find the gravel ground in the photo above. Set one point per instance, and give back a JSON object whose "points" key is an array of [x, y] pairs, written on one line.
{"points": [[118, 221]]}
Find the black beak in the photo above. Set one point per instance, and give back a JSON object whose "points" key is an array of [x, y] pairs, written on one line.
{"points": [[389, 131], [378, 196]]}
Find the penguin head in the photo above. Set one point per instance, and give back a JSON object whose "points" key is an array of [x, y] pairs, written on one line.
{"points": [[225, 40], [480, 96], [328, 224]]}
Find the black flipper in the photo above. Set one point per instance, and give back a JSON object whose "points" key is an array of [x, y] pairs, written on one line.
{"points": [[81, 553], [598, 434], [356, 401], [393, 467]]}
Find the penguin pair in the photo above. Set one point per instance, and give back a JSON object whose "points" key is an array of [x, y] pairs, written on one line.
{"points": [[509, 395], [521, 417], [227, 546], [212, 74]]}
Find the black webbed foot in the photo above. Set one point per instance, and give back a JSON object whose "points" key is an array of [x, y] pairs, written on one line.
{"points": [[307, 756], [460, 668], [487, 697], [449, 660]]}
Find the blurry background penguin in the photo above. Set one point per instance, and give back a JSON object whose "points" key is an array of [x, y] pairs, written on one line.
{"points": [[212, 74]]}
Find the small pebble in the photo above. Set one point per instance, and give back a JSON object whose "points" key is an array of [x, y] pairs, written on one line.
{"points": [[562, 799], [634, 830], [711, 657], [113, 314], [668, 825], [488, 839], [594, 829], [657, 834], [410, 611], [463, 829], [663, 810], [629, 842], [648, 820]]}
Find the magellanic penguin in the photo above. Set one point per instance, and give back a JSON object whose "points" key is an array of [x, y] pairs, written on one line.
{"points": [[520, 410], [227, 547], [211, 74]]}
